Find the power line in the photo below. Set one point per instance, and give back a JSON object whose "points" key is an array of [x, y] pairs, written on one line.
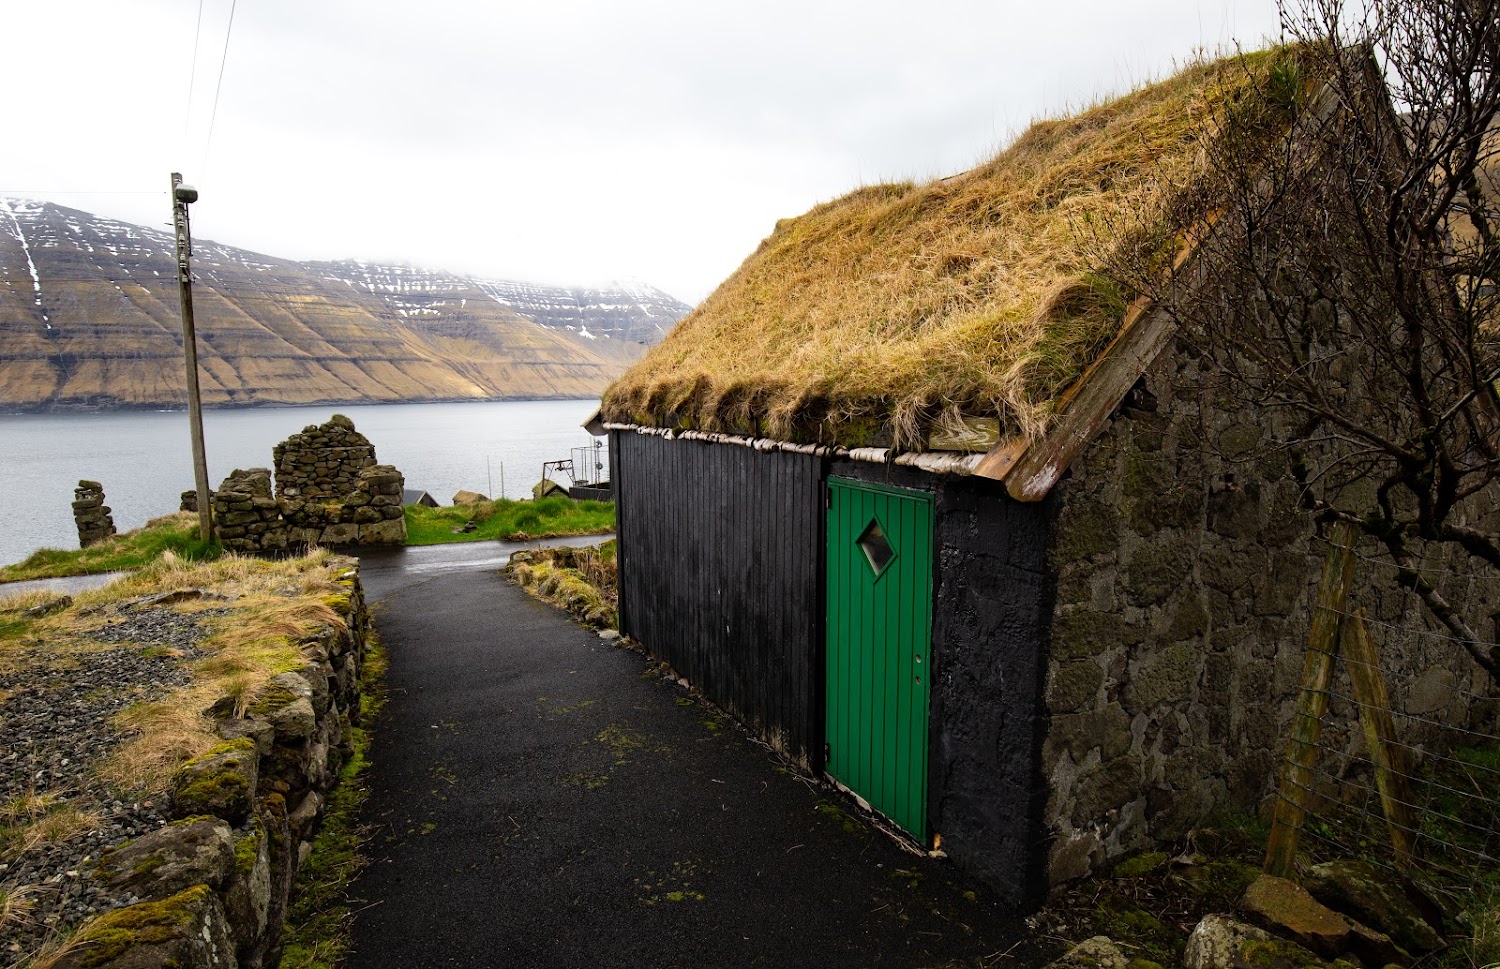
{"points": [[223, 60], [193, 71]]}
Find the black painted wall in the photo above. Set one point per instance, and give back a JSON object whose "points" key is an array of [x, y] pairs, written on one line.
{"points": [[986, 792], [721, 577]]}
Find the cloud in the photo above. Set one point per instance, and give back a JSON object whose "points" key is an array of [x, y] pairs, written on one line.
{"points": [[571, 141]]}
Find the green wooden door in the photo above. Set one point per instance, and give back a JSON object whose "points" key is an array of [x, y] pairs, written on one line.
{"points": [[879, 630]]}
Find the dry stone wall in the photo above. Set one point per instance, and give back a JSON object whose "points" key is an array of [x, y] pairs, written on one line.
{"points": [[247, 519], [322, 461], [91, 514], [215, 884], [328, 490], [1186, 574]]}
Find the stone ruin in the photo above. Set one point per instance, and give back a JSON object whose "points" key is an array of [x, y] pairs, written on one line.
{"points": [[329, 490], [91, 514], [247, 519]]}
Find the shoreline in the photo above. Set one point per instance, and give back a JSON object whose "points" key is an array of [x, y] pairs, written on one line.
{"points": [[11, 410]]}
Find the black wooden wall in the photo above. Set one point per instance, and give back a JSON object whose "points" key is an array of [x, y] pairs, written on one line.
{"points": [[993, 595], [721, 577]]}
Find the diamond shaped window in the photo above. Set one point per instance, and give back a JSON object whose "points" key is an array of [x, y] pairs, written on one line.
{"points": [[877, 550]]}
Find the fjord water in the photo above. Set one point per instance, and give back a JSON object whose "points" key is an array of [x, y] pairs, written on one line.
{"points": [[144, 459]]}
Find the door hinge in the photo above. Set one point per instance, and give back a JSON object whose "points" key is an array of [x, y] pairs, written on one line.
{"points": [[827, 753], [827, 498]]}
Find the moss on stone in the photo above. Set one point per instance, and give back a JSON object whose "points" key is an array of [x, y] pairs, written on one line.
{"points": [[1166, 677], [271, 699], [218, 783], [1157, 940], [1220, 883], [145, 923], [247, 848], [1142, 864], [1080, 633], [1156, 571], [1087, 527], [1276, 953]]}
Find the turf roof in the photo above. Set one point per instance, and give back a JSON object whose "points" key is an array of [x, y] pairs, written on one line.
{"points": [[898, 308]]}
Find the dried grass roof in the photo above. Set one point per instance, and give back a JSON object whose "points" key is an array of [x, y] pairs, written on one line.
{"points": [[898, 308]]}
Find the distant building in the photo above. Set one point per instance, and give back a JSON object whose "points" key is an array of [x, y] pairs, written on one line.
{"points": [[416, 496]]}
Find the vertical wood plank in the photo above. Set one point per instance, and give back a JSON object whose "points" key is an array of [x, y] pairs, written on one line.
{"points": [[1312, 701], [1374, 703]]}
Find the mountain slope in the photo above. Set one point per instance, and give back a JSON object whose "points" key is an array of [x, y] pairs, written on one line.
{"points": [[89, 318]]}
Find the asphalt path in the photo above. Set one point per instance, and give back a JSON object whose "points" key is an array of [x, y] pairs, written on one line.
{"points": [[543, 798]]}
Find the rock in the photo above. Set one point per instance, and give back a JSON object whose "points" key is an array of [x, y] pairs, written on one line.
{"points": [[609, 635], [392, 531], [1377, 898], [221, 783], [186, 931], [1220, 942], [1286, 908], [247, 898], [90, 514], [1375, 948], [1098, 952], [49, 607], [263, 733], [199, 851], [308, 810], [340, 534], [462, 497], [295, 720]]}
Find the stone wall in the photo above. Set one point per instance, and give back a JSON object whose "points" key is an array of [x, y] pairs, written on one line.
{"points": [[1186, 574], [332, 491], [215, 884], [247, 519], [328, 491], [322, 461], [91, 514]]}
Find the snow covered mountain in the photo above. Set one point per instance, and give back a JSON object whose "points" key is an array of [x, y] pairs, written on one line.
{"points": [[89, 318], [621, 320]]}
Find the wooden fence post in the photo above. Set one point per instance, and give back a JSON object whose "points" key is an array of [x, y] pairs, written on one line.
{"points": [[1312, 702], [1380, 734]]}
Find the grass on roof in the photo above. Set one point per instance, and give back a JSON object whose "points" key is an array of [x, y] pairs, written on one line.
{"points": [[898, 308]]}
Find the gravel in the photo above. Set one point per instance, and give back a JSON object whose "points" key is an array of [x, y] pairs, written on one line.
{"points": [[56, 716]]}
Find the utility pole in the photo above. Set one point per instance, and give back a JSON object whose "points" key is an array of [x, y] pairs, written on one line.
{"points": [[182, 197]]}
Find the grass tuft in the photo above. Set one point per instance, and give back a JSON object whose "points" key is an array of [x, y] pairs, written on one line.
{"points": [[175, 534], [505, 520]]}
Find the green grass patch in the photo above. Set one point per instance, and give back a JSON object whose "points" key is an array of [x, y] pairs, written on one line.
{"points": [[320, 922], [505, 520], [177, 534]]}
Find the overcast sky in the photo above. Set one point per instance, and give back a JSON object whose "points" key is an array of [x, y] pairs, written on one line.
{"points": [[556, 141]]}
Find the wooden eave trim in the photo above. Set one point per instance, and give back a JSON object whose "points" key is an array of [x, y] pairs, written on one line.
{"points": [[1029, 468]]}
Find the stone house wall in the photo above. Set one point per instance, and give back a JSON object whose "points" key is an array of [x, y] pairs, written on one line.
{"points": [[215, 884], [323, 461], [1186, 576], [329, 490]]}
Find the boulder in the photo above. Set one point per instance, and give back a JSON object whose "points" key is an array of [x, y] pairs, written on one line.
{"points": [[340, 534], [198, 851], [188, 931], [392, 531], [1220, 942], [221, 783], [1377, 898], [1287, 909]]}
